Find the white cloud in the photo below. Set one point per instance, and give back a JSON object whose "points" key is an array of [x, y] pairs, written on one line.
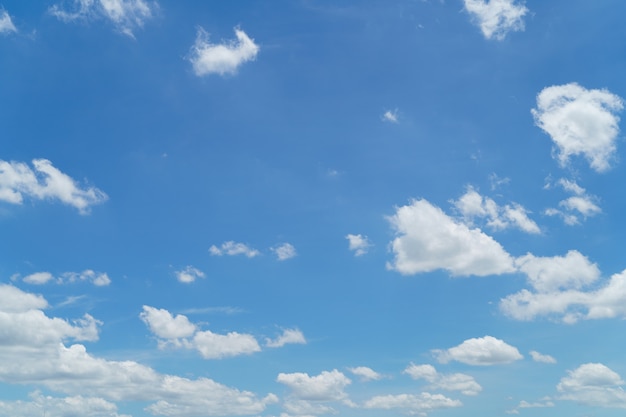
{"points": [[59, 407], [232, 248], [427, 240], [38, 278], [208, 58], [413, 404], [289, 336], [480, 351], [189, 274], [359, 244], [365, 373], [302, 408], [580, 122], [125, 15], [581, 204], [6, 24], [18, 180], [327, 386], [217, 346], [449, 382], [162, 324], [593, 384], [497, 18], [538, 357], [99, 279], [390, 116], [472, 205], [284, 251]]}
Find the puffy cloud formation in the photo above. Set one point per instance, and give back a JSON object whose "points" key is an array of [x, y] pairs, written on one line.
{"points": [[449, 382], [44, 182], [289, 336], [359, 244], [365, 373], [580, 122], [232, 248], [472, 205], [125, 15], [209, 58], [327, 386], [572, 208], [6, 24], [179, 332], [59, 407], [284, 251], [496, 18], [428, 239], [189, 274], [99, 279], [593, 384], [480, 351], [412, 404], [538, 357]]}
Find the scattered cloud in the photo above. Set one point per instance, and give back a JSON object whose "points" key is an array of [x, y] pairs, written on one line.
{"points": [[289, 336], [496, 18], [593, 384], [428, 239], [572, 208], [327, 386], [390, 116], [538, 357], [448, 382], [59, 407], [231, 248], [480, 351], [580, 122], [365, 373], [125, 15], [496, 182], [6, 24], [412, 404], [209, 58], [359, 244], [473, 206], [544, 403], [284, 251], [189, 274], [99, 279], [45, 182]]}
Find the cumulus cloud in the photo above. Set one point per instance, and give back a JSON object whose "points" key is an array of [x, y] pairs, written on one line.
{"points": [[419, 404], [580, 122], [99, 279], [44, 182], [125, 15], [448, 382], [365, 373], [581, 204], [538, 357], [6, 24], [593, 384], [480, 351], [359, 244], [189, 274], [474, 206], [209, 58], [232, 248], [327, 386], [390, 116], [59, 407], [289, 336], [428, 239], [284, 251], [496, 18]]}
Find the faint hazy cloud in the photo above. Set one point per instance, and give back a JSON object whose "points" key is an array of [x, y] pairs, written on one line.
{"points": [[480, 351], [359, 244], [99, 279], [390, 116], [496, 18], [538, 357], [189, 274], [18, 180], [365, 373], [6, 24], [232, 248], [209, 58], [580, 122], [289, 336], [284, 251]]}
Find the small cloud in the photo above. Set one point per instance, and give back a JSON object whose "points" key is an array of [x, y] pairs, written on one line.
{"points": [[390, 116], [496, 18], [232, 248], [571, 209], [284, 251], [482, 351], [189, 274], [6, 24], [365, 373], [449, 382], [538, 357], [209, 58], [359, 244], [38, 278], [289, 336], [496, 182]]}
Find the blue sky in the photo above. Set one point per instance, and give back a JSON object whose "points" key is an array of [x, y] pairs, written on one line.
{"points": [[309, 207]]}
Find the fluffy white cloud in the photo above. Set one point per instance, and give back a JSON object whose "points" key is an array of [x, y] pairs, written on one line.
{"points": [[38, 278], [284, 251], [365, 373], [359, 244], [327, 386], [412, 404], [6, 24], [538, 357], [449, 382], [580, 204], [99, 279], [580, 122], [59, 407], [593, 384], [480, 351], [18, 180], [126, 15], [217, 346], [34, 351], [232, 248], [289, 336], [208, 58], [472, 205], [497, 18], [390, 116], [189, 274], [162, 324], [428, 239]]}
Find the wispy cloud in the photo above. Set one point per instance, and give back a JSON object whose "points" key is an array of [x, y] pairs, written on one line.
{"points": [[390, 116], [6, 24], [99, 279]]}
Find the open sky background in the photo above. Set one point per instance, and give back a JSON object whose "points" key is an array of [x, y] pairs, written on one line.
{"points": [[296, 208]]}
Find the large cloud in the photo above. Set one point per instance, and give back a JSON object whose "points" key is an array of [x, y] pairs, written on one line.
{"points": [[480, 351], [209, 58], [593, 384], [18, 180], [427, 240], [496, 18], [580, 122]]}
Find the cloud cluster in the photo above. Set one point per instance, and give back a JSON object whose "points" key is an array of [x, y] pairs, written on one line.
{"points": [[99, 279], [593, 384], [483, 351], [448, 382], [580, 204], [44, 182], [496, 18], [209, 58]]}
